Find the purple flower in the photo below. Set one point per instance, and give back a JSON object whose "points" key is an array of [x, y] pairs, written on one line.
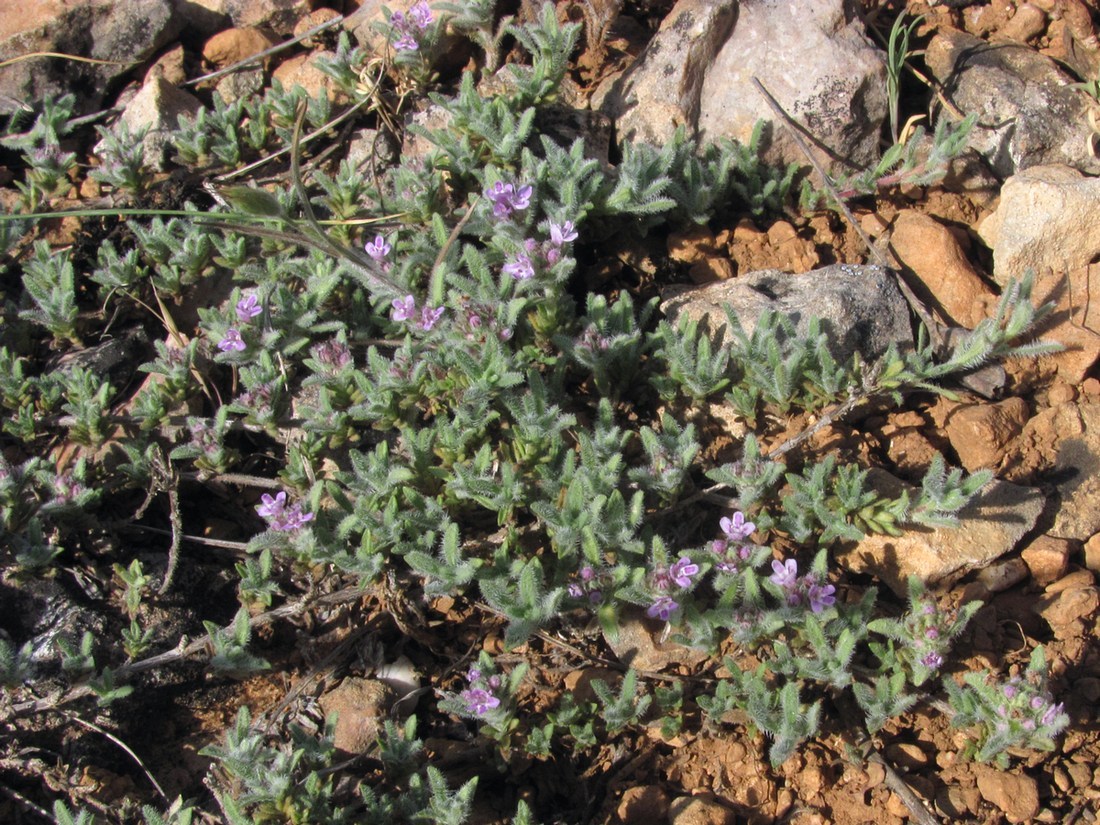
{"points": [[472, 675], [520, 268], [1010, 691], [290, 519], [587, 573], [682, 571], [1051, 714], [507, 198], [406, 43], [931, 634], [1037, 702], [932, 661], [785, 574], [736, 528], [420, 15], [662, 609], [429, 316], [232, 341], [248, 308], [271, 506], [575, 591], [280, 517], [403, 308], [565, 233], [821, 596], [378, 248], [479, 701]]}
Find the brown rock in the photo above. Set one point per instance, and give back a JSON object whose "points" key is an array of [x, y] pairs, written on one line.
{"points": [[1047, 558], [1092, 553], [699, 810], [932, 253], [579, 682], [1063, 610], [362, 706], [691, 245], [644, 805], [1029, 21], [1016, 794], [990, 526], [169, 67], [979, 433], [301, 70], [908, 755], [636, 647], [1063, 444], [709, 270], [312, 20], [234, 45]]}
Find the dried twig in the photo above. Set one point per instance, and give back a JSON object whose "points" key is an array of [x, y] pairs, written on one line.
{"points": [[104, 732]]}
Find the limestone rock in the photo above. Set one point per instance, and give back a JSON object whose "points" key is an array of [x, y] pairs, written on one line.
{"points": [[861, 307], [361, 706], [123, 31], [1030, 114], [157, 107], [661, 91], [933, 254], [1045, 220], [989, 526], [980, 432], [1062, 445], [815, 59]]}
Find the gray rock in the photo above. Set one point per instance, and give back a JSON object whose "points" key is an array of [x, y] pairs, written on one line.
{"points": [[241, 83], [157, 107], [126, 32], [861, 306], [813, 56], [1028, 114], [662, 90], [990, 526]]}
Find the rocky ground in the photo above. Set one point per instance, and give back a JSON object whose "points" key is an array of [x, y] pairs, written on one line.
{"points": [[1021, 198]]}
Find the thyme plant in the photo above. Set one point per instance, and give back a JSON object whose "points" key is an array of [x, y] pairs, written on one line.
{"points": [[444, 404]]}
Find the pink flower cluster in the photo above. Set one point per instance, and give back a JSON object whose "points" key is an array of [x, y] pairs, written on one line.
{"points": [[408, 27], [508, 198], [280, 517], [808, 589], [679, 574], [247, 308], [480, 697], [404, 309]]}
